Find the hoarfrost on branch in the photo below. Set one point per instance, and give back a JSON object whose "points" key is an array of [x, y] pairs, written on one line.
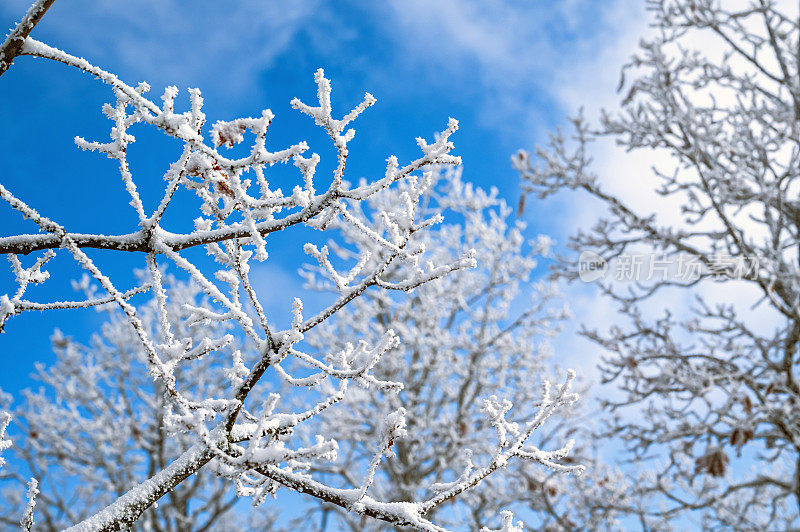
{"points": [[241, 430]]}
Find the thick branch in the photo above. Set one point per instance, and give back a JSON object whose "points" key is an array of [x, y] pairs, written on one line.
{"points": [[123, 512], [141, 241], [12, 46]]}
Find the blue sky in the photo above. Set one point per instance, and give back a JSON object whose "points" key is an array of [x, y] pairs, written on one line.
{"points": [[509, 71]]}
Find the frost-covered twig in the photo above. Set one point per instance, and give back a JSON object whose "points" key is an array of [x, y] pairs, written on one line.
{"points": [[26, 523], [508, 449]]}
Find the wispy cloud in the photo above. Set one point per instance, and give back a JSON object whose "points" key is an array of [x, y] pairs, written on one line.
{"points": [[516, 62], [170, 41], [523, 55]]}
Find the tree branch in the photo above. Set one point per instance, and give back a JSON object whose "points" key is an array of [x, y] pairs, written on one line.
{"points": [[123, 512], [12, 46]]}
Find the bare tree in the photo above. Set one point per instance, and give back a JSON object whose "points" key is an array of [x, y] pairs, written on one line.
{"points": [[708, 394], [244, 432]]}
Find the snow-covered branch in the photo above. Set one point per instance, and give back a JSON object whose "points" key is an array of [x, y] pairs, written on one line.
{"points": [[14, 41]]}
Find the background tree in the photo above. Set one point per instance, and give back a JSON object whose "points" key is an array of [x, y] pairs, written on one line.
{"points": [[708, 393], [96, 426], [245, 432], [464, 339]]}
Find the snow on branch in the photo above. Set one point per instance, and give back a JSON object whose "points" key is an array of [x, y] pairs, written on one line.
{"points": [[5, 442], [26, 523], [12, 46], [508, 524]]}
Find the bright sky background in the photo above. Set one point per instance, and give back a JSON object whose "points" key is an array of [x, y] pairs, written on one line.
{"points": [[509, 71]]}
